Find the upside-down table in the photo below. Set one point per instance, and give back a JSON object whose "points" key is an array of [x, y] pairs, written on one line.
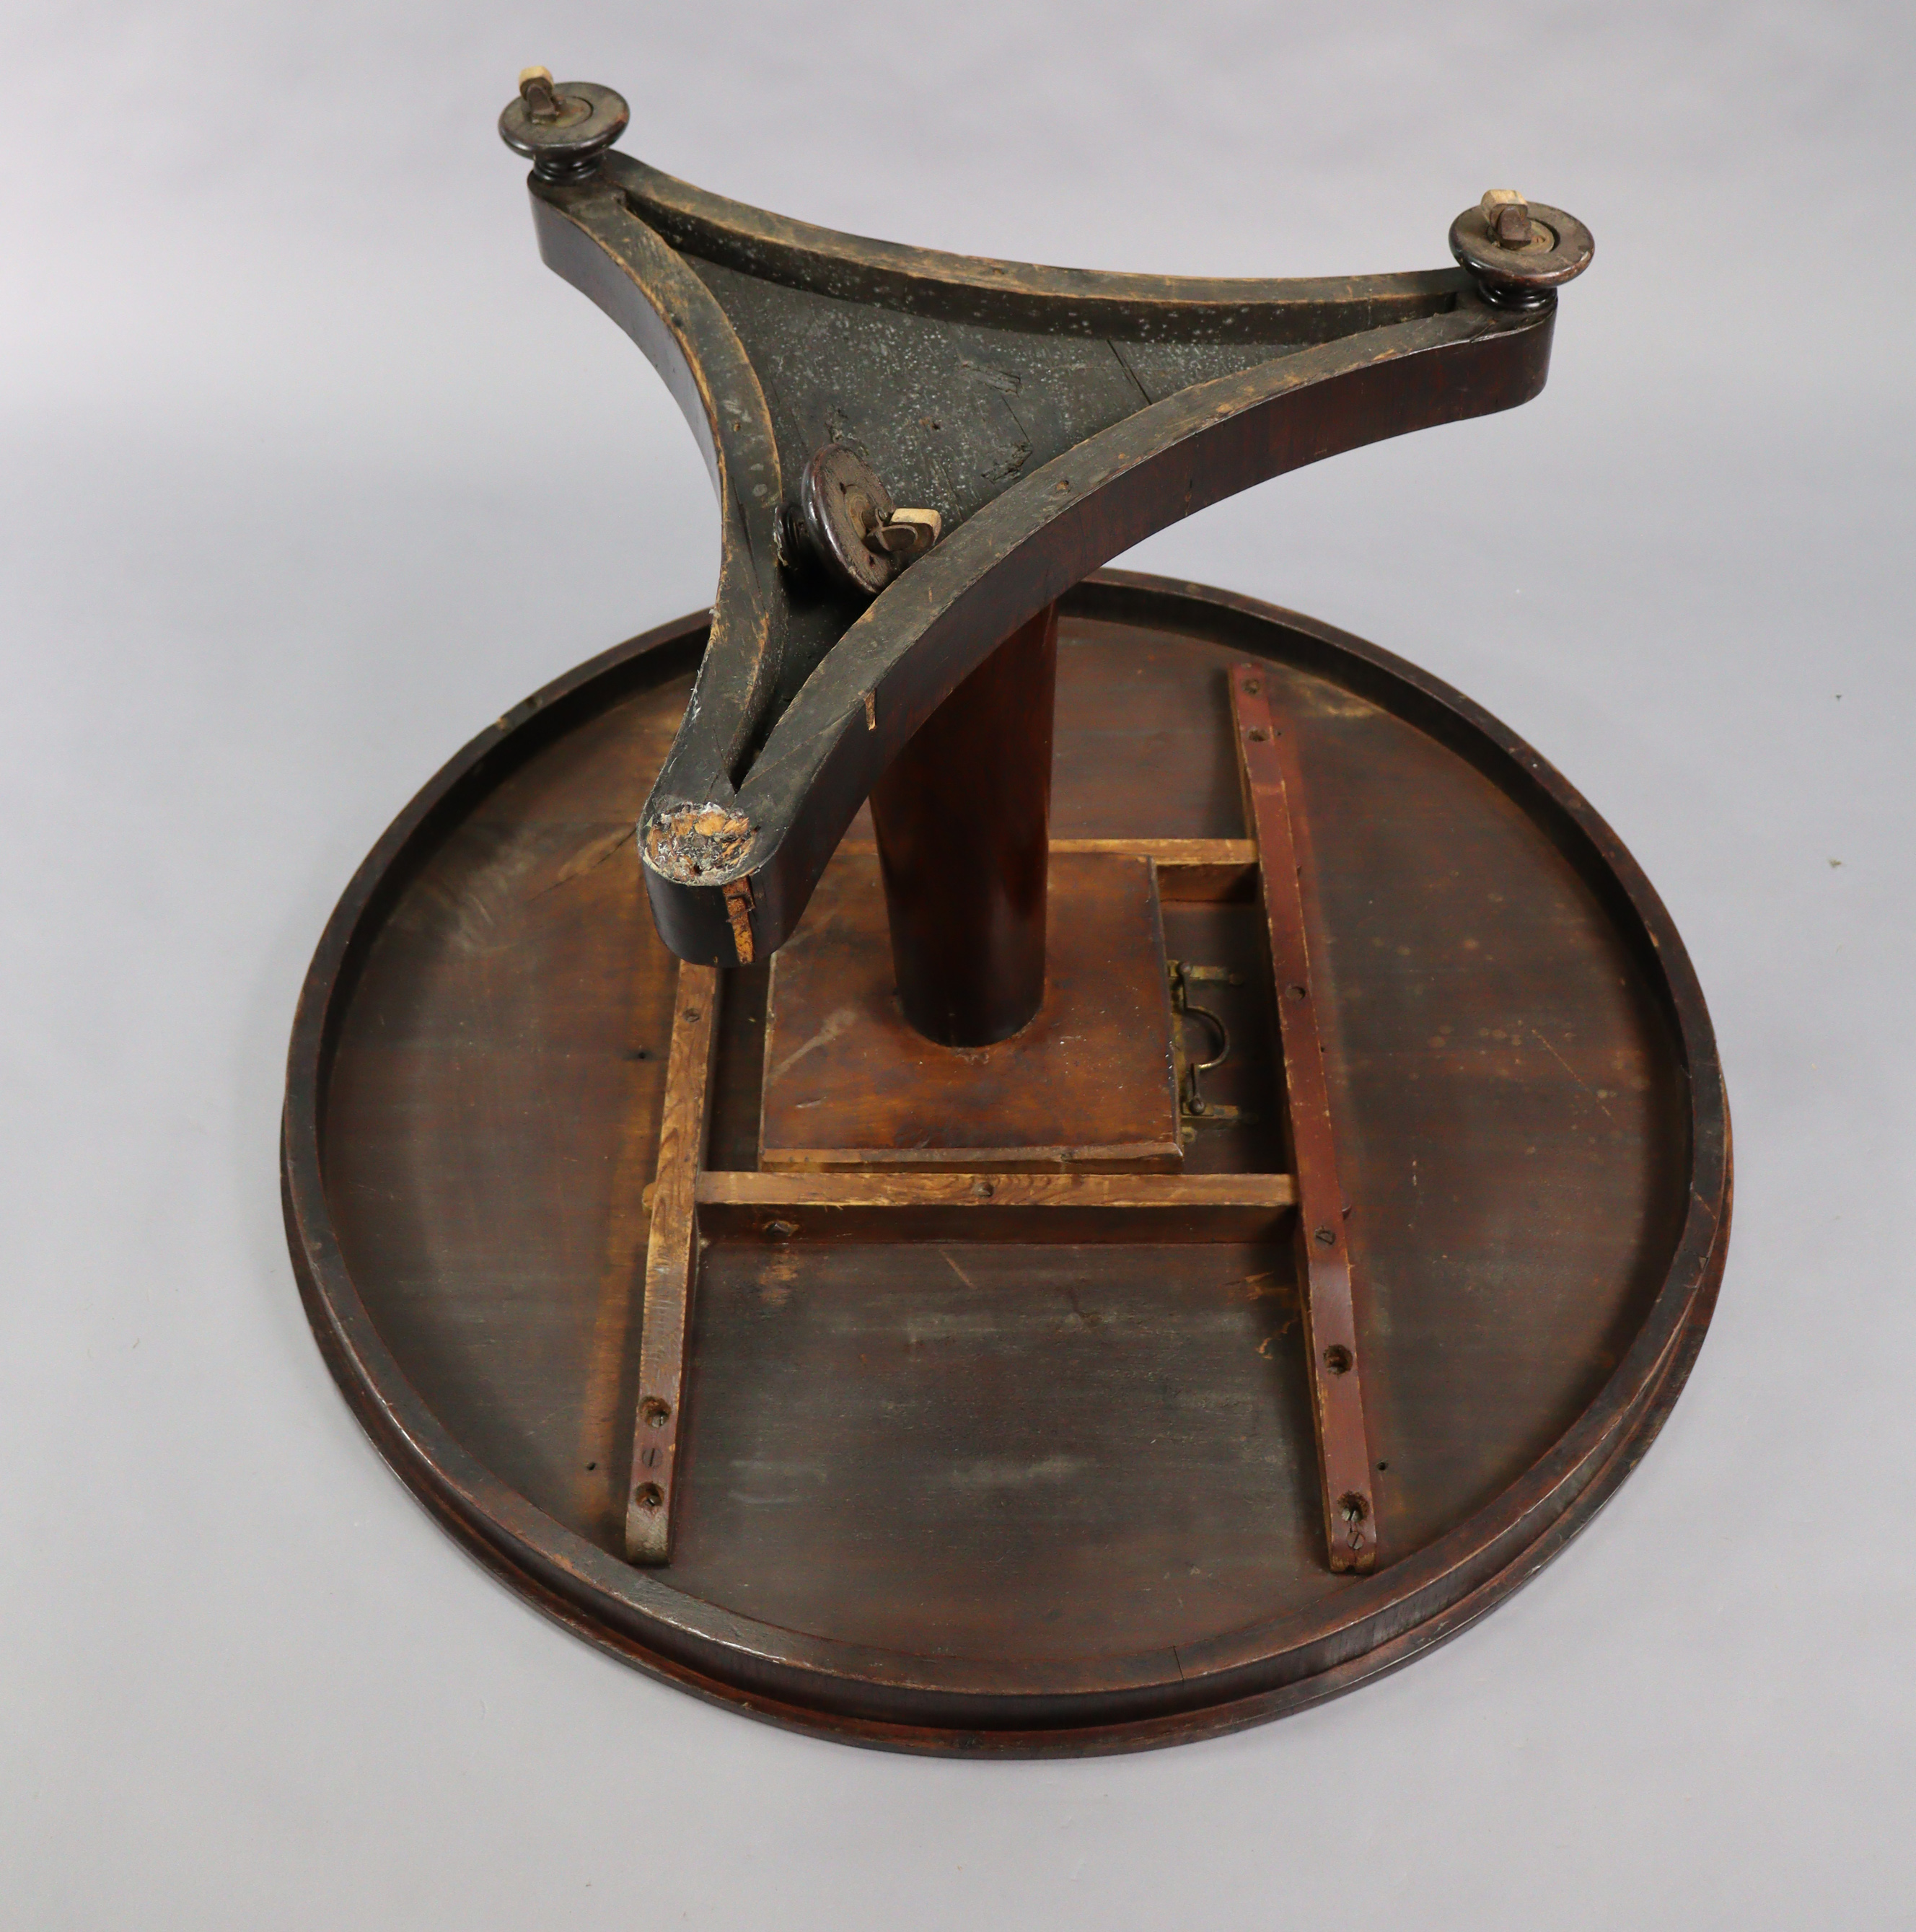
{"points": [[973, 1152]]}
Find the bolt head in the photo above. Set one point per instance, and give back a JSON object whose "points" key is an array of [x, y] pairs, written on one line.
{"points": [[1519, 252], [843, 519], [563, 127], [1506, 215], [1514, 228]]}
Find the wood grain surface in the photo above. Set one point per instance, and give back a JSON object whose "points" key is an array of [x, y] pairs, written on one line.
{"points": [[1017, 1496], [995, 1206], [672, 1258], [1322, 1241], [1087, 1084]]}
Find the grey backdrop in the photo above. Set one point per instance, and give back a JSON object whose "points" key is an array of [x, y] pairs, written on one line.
{"points": [[281, 369]]}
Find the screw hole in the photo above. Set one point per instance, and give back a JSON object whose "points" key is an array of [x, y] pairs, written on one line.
{"points": [[648, 1495], [1383, 1466], [1337, 1359], [1296, 992], [1257, 734], [655, 1412]]}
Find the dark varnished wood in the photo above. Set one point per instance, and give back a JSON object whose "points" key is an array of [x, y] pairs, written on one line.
{"points": [[1053, 418], [899, 1463], [963, 822]]}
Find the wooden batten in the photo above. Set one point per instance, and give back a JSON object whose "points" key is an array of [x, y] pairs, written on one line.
{"points": [[1273, 792], [1190, 871], [671, 1268], [997, 1207]]}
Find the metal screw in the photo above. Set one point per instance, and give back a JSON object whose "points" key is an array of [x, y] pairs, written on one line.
{"points": [[1325, 1237], [1355, 1509], [983, 1190]]}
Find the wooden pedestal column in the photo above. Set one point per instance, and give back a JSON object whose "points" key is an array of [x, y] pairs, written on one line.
{"points": [[963, 819]]}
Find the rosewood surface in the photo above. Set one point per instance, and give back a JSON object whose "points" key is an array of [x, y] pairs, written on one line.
{"points": [[962, 821], [1087, 1084], [1322, 1235], [1014, 1495]]}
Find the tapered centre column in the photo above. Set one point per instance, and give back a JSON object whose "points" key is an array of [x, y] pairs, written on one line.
{"points": [[963, 822]]}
